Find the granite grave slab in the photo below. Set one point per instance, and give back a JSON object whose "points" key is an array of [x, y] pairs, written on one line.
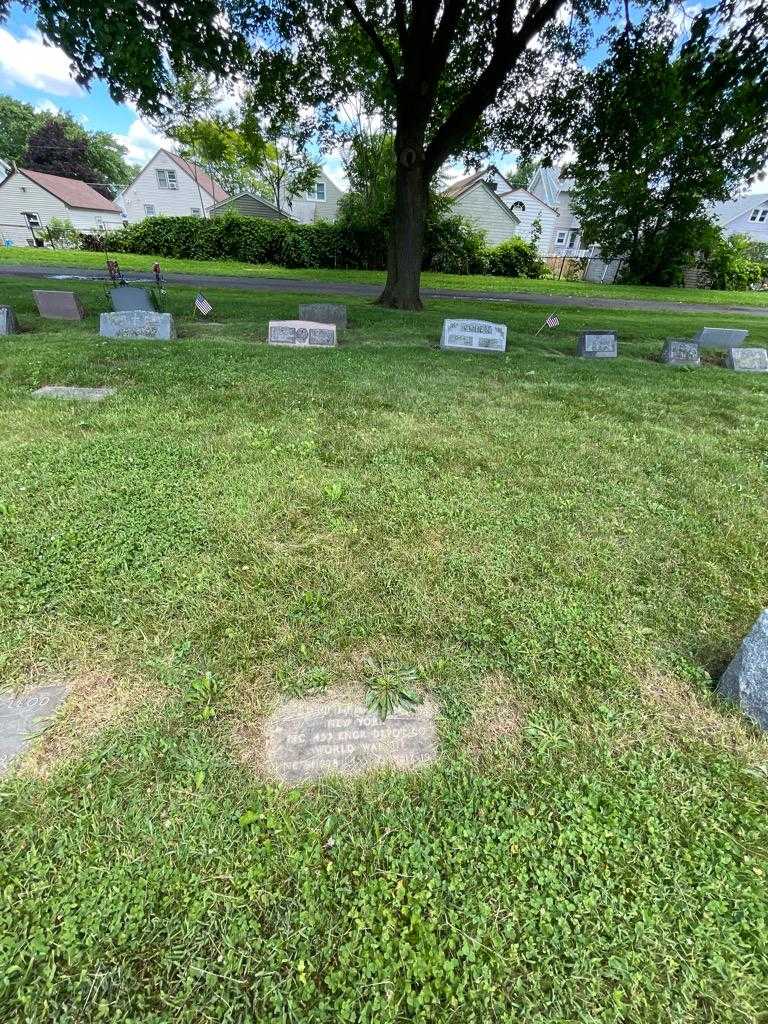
{"points": [[73, 394], [680, 352], [747, 360], [126, 299], [301, 334], [8, 322], [720, 337], [598, 345], [23, 717], [325, 313], [473, 336], [745, 681], [58, 305], [306, 739], [139, 324]]}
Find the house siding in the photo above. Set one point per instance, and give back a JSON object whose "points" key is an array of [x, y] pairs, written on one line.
{"points": [[534, 208], [482, 210], [249, 207], [18, 195], [308, 211], [742, 225], [167, 202]]}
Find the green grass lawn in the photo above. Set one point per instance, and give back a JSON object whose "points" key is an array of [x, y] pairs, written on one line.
{"points": [[472, 282], [566, 551]]}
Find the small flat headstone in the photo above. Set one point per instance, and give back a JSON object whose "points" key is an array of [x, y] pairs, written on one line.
{"points": [[73, 394], [125, 299], [8, 322], [473, 336], [680, 352], [58, 305], [747, 360], [306, 740], [720, 337], [24, 717], [745, 681], [325, 313], [598, 345], [138, 324], [301, 333]]}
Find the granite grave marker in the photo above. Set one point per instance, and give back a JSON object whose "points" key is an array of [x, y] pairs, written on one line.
{"points": [[720, 337], [73, 394], [8, 322], [473, 336], [680, 352], [24, 717], [325, 313], [138, 324], [745, 681], [301, 334], [126, 299], [747, 360], [598, 345], [58, 305]]}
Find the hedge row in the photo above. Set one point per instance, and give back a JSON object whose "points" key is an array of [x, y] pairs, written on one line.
{"points": [[452, 245]]}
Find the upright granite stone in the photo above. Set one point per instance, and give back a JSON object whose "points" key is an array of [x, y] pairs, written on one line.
{"points": [[73, 394], [598, 345], [8, 322], [23, 717], [680, 352], [325, 313], [306, 740], [473, 336], [720, 337], [58, 305], [301, 334], [747, 360], [138, 324], [126, 299], [745, 681]]}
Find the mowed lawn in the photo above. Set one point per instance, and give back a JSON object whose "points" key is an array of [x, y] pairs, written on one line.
{"points": [[568, 552]]}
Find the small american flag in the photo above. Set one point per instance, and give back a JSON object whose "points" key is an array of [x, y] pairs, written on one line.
{"points": [[202, 304], [552, 321]]}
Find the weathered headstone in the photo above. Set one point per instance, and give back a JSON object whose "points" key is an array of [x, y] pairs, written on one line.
{"points": [[73, 394], [25, 716], [745, 681], [680, 352], [306, 740], [473, 336], [137, 323], [747, 360], [301, 333], [125, 299], [325, 313], [58, 305], [598, 345], [8, 322], [720, 337]]}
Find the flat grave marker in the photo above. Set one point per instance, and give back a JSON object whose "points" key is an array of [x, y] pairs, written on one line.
{"points": [[325, 313], [58, 305], [139, 324], [125, 299], [680, 352], [8, 321], [301, 334], [473, 336], [597, 345], [24, 717], [73, 394], [720, 337], [745, 681], [747, 360], [308, 739]]}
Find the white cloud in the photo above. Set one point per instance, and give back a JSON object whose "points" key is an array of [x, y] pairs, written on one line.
{"points": [[47, 107], [28, 61], [142, 141]]}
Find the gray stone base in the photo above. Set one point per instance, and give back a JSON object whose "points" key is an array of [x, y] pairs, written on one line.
{"points": [[137, 324], [25, 716], [8, 322], [597, 345], [325, 313], [745, 681], [747, 360], [301, 334], [73, 394], [680, 352]]}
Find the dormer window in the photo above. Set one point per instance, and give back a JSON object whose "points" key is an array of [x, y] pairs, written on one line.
{"points": [[760, 215]]}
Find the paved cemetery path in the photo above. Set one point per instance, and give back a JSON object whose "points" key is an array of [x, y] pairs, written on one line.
{"points": [[306, 286]]}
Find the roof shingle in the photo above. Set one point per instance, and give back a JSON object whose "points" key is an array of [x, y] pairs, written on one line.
{"points": [[71, 191]]}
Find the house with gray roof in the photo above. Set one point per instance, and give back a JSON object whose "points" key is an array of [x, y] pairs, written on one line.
{"points": [[477, 199], [745, 215], [554, 190], [249, 204]]}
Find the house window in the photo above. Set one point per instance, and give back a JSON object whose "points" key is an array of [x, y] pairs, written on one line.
{"points": [[759, 216], [560, 239], [33, 220], [518, 206], [166, 179], [319, 191], [149, 210], [195, 211], [572, 239], [100, 223]]}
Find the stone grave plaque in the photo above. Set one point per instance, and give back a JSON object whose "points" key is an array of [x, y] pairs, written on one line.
{"points": [[325, 313], [598, 345], [745, 681], [125, 299], [8, 322], [720, 337], [301, 334], [473, 336], [25, 716], [680, 352], [747, 360], [138, 324], [73, 394], [306, 740], [58, 305]]}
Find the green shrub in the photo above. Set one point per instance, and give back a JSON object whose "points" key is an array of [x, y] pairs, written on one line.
{"points": [[515, 258], [730, 264], [454, 246]]}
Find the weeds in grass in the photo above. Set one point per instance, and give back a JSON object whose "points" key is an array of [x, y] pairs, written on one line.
{"points": [[388, 690]]}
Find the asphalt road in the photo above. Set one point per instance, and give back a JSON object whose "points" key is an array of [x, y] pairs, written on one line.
{"points": [[307, 286]]}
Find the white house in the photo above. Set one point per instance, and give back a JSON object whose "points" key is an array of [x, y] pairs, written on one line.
{"points": [[548, 186], [170, 186], [477, 199], [30, 199], [747, 215], [321, 203], [537, 218]]}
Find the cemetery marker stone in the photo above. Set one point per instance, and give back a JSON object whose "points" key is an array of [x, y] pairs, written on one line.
{"points": [[747, 360], [473, 336], [8, 322], [325, 313], [720, 337], [58, 305], [301, 334], [74, 394], [139, 324], [598, 345], [680, 352], [23, 717], [745, 681], [306, 740], [131, 298]]}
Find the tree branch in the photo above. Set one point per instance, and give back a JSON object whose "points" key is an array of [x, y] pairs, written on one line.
{"points": [[376, 40]]}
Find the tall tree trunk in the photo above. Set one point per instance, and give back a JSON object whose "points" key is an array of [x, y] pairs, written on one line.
{"points": [[406, 248]]}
